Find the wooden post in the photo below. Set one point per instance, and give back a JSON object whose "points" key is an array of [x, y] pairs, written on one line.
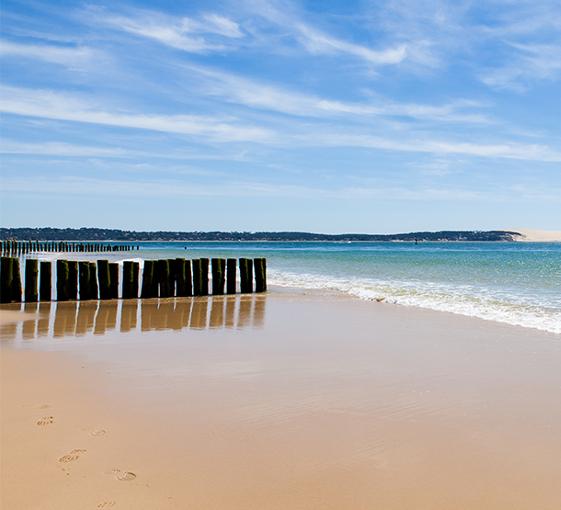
{"points": [[92, 285], [104, 279], [84, 279], [72, 291], [231, 276], [45, 281], [164, 278], [130, 280], [218, 274], [113, 280], [204, 277], [31, 277], [260, 266], [246, 275], [149, 283], [197, 277], [62, 280], [183, 277], [10, 288]]}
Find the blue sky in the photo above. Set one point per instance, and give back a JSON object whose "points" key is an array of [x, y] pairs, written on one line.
{"points": [[331, 116]]}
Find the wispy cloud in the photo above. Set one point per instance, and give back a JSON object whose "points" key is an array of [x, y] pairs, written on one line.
{"points": [[320, 42], [63, 106], [195, 35], [59, 149], [530, 63], [74, 57], [240, 90]]}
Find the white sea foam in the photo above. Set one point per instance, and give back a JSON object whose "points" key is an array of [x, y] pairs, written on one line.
{"points": [[464, 300]]}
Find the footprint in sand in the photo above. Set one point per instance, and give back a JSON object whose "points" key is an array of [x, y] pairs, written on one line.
{"points": [[45, 420], [72, 456], [98, 432], [106, 504], [124, 476]]}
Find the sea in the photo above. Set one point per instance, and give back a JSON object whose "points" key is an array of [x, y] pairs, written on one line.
{"points": [[510, 282]]}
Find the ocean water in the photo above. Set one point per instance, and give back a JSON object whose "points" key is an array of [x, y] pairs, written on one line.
{"points": [[514, 283]]}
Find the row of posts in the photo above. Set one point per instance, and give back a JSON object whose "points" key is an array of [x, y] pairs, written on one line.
{"points": [[16, 248], [100, 280]]}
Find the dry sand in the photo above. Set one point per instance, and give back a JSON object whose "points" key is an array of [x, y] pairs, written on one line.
{"points": [[292, 401]]}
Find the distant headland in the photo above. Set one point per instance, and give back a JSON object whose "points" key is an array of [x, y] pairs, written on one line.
{"points": [[105, 234]]}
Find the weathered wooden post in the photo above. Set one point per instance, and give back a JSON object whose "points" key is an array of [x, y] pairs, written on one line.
{"points": [[183, 277], [10, 288], [114, 280], [92, 285], [149, 283], [45, 281], [231, 276], [104, 279], [260, 267], [62, 280], [72, 292], [164, 278], [197, 278], [218, 274], [204, 277], [31, 278], [84, 280], [246, 276], [130, 280]]}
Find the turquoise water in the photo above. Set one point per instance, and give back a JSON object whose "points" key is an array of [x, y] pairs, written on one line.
{"points": [[514, 283]]}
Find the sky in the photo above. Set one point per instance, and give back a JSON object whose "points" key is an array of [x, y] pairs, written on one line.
{"points": [[328, 115]]}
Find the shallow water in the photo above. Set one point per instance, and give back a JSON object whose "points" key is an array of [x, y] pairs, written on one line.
{"points": [[514, 283]]}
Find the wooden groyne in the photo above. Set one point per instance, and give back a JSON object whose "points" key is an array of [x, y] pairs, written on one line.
{"points": [[88, 280], [13, 248]]}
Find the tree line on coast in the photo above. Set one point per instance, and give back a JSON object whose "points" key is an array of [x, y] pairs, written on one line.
{"points": [[104, 234]]}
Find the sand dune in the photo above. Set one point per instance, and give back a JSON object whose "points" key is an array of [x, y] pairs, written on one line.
{"points": [[538, 236]]}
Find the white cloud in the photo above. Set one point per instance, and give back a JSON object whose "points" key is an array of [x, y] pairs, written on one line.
{"points": [[63, 106], [74, 57], [59, 149], [251, 93], [183, 33], [318, 42], [531, 62]]}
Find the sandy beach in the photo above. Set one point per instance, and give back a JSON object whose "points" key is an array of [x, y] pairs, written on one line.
{"points": [[287, 401]]}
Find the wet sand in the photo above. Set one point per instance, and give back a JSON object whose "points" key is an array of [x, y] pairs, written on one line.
{"points": [[290, 401]]}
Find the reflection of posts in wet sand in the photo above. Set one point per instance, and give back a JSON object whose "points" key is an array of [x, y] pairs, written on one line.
{"points": [[175, 315], [128, 315], [44, 319], [259, 301], [165, 317], [78, 319], [65, 319], [185, 313], [8, 331], [147, 310], [217, 312], [230, 321], [86, 317], [106, 318], [28, 328], [199, 313], [244, 312]]}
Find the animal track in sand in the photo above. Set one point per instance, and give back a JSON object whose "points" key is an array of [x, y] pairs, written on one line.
{"points": [[106, 504], [72, 456], [98, 432], [124, 476], [45, 420]]}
